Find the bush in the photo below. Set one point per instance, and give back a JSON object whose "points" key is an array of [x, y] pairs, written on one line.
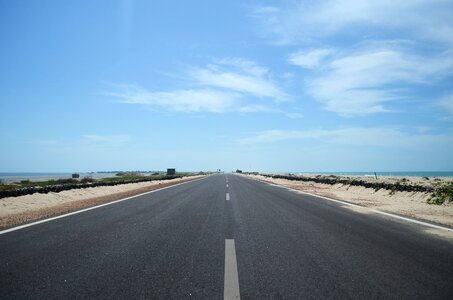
{"points": [[86, 180], [442, 194], [66, 181], [59, 185]]}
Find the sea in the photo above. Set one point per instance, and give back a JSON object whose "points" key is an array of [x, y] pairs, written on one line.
{"points": [[10, 177]]}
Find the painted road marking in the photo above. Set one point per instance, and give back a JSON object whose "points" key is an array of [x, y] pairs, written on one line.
{"points": [[93, 207], [227, 184], [227, 196], [363, 207], [231, 286]]}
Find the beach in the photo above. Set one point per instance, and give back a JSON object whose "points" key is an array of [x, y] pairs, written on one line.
{"points": [[409, 204]]}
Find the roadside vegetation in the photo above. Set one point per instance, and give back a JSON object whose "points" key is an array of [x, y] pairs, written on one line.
{"points": [[25, 187], [442, 194]]}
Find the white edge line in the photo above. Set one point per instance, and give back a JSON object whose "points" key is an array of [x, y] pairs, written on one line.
{"points": [[227, 196], [90, 208], [358, 206]]}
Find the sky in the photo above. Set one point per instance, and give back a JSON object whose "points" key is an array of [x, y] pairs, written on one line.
{"points": [[269, 86]]}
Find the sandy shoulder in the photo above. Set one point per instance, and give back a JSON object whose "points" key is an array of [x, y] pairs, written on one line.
{"points": [[22, 209], [410, 204]]}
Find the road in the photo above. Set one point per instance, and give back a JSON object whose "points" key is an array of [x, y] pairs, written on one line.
{"points": [[221, 237]]}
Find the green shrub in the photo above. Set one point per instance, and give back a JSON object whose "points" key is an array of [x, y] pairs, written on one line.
{"points": [[443, 193], [66, 181], [7, 187], [87, 179]]}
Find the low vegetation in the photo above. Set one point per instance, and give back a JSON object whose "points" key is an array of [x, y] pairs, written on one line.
{"points": [[28, 183], [26, 187], [442, 194], [401, 186]]}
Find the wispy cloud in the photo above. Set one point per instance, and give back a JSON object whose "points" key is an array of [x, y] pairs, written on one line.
{"points": [[373, 52], [375, 137], [363, 82], [273, 136], [308, 20], [447, 104], [105, 139], [239, 75], [244, 65], [309, 59], [229, 85], [254, 85], [189, 100], [84, 143]]}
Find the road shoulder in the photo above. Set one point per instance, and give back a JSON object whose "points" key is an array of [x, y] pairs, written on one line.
{"points": [[363, 200], [16, 211]]}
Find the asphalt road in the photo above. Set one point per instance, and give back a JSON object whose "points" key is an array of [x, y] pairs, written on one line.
{"points": [[210, 239]]}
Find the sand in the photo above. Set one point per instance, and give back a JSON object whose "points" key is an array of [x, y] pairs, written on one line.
{"points": [[22, 209], [409, 204]]}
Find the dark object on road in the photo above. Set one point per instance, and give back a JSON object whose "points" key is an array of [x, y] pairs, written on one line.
{"points": [[171, 172]]}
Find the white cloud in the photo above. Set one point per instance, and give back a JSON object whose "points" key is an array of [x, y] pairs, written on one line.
{"points": [[105, 139], [248, 79], [366, 137], [447, 103], [364, 81], [288, 75], [230, 85], [272, 136], [294, 115], [309, 59], [86, 143], [244, 65], [307, 20], [254, 108], [423, 129], [365, 72], [202, 100]]}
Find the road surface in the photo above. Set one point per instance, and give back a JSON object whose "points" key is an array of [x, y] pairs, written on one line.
{"points": [[225, 236]]}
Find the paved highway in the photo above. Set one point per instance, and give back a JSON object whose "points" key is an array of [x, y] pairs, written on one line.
{"points": [[222, 237]]}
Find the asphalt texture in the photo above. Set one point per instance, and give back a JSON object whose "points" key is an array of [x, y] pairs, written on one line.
{"points": [[170, 244]]}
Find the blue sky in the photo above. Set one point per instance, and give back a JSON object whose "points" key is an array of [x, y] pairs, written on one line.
{"points": [[281, 86]]}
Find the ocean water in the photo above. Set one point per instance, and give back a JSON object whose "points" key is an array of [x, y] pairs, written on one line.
{"points": [[399, 174], [9, 177]]}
